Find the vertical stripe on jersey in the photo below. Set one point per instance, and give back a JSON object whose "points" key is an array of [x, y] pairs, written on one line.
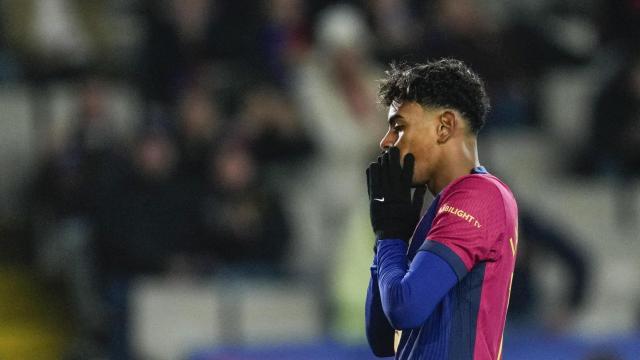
{"points": [[466, 304], [431, 340]]}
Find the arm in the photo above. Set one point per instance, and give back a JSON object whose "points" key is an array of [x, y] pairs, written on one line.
{"points": [[380, 334], [410, 293], [407, 297], [393, 215]]}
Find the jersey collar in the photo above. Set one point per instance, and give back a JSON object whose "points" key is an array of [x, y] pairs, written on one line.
{"points": [[479, 170]]}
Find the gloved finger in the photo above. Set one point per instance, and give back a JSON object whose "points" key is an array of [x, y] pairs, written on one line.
{"points": [[385, 174], [418, 199], [375, 182], [369, 180], [394, 160], [385, 159], [393, 172], [407, 168]]}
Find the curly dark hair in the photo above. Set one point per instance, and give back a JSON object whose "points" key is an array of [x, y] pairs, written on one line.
{"points": [[441, 83]]}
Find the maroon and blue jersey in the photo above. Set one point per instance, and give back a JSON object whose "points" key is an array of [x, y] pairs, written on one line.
{"points": [[448, 292]]}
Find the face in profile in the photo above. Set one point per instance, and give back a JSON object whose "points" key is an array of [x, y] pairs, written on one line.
{"points": [[413, 129]]}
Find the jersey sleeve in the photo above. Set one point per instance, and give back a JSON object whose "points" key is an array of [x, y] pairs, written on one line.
{"points": [[468, 224]]}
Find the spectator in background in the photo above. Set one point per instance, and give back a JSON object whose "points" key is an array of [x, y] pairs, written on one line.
{"points": [[394, 24], [84, 161], [463, 29], [541, 37], [186, 39], [284, 38], [182, 37], [338, 107], [273, 129], [147, 228], [81, 172], [152, 217], [244, 225], [198, 128]]}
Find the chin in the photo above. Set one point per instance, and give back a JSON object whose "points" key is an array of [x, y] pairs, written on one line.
{"points": [[415, 184], [419, 181]]}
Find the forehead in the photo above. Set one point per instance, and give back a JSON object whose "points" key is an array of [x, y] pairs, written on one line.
{"points": [[405, 110], [393, 109]]}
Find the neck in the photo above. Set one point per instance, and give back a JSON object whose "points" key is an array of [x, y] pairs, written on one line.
{"points": [[458, 161]]}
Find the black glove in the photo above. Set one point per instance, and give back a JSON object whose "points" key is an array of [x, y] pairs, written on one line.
{"points": [[394, 212]]}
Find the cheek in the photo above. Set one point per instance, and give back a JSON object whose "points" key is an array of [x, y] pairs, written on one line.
{"points": [[420, 173], [404, 142], [424, 162], [421, 168]]}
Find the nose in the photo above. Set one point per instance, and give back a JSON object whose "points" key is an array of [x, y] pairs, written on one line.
{"points": [[387, 141]]}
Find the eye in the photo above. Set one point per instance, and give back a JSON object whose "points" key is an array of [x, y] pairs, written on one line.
{"points": [[398, 128]]}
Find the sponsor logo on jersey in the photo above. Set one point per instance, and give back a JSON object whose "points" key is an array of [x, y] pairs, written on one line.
{"points": [[461, 214]]}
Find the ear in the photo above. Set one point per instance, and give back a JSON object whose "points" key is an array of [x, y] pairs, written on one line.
{"points": [[447, 124]]}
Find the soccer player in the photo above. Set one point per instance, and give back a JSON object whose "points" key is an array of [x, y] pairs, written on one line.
{"points": [[441, 282]]}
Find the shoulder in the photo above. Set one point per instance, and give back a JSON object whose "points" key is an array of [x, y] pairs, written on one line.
{"points": [[483, 196], [480, 186], [473, 213]]}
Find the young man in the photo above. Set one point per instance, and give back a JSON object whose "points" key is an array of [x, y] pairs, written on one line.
{"points": [[443, 285]]}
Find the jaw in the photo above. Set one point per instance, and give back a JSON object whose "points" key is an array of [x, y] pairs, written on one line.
{"points": [[420, 176], [427, 174]]}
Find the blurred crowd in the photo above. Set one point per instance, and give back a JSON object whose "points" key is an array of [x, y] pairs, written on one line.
{"points": [[254, 122]]}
